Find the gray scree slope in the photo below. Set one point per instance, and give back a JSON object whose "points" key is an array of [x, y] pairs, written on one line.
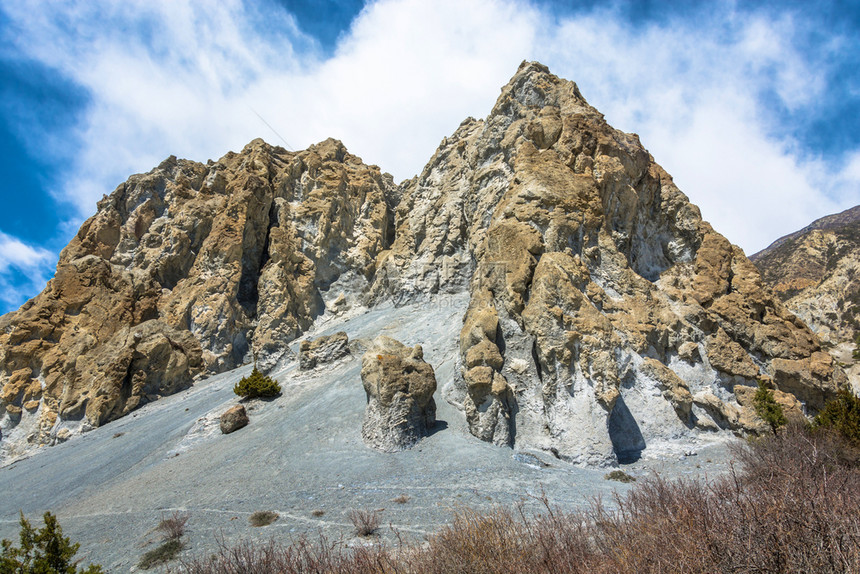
{"points": [[301, 452]]}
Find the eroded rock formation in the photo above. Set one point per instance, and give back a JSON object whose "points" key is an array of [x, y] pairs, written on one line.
{"points": [[399, 387], [604, 312], [816, 271], [322, 350], [187, 269]]}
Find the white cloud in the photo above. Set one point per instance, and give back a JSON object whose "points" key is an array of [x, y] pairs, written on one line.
{"points": [[24, 269], [16, 253], [168, 79], [851, 172], [693, 94]]}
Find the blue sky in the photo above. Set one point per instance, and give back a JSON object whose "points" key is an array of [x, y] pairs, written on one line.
{"points": [[753, 107]]}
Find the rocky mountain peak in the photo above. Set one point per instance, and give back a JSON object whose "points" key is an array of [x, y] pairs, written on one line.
{"points": [[815, 272], [533, 82], [603, 312]]}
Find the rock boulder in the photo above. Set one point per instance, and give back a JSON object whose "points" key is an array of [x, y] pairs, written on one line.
{"points": [[322, 350], [233, 419], [399, 387]]}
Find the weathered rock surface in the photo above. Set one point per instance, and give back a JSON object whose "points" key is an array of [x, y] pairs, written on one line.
{"points": [[186, 269], [233, 419], [323, 350], [816, 272], [399, 387], [604, 314]]}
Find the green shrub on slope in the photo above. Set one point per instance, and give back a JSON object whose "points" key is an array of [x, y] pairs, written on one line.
{"points": [[257, 385], [767, 408], [43, 551], [842, 414]]}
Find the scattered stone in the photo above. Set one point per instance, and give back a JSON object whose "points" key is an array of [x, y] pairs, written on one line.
{"points": [[399, 385], [323, 350], [340, 304], [14, 412], [63, 435], [233, 419], [689, 351], [529, 459]]}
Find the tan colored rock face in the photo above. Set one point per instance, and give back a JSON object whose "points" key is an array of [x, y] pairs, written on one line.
{"points": [[605, 314], [602, 304], [399, 387], [187, 269], [323, 350], [816, 272]]}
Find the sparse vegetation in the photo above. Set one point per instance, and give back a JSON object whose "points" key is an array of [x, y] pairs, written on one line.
{"points": [[42, 551], [767, 408], [161, 554], [257, 385], [366, 522], [263, 518], [172, 529], [620, 476], [790, 508], [300, 557], [842, 415]]}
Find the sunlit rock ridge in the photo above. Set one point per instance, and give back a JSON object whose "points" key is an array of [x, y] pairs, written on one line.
{"points": [[815, 271], [604, 312]]}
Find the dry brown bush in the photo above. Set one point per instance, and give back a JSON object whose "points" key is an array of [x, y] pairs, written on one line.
{"points": [[300, 557], [173, 527], [789, 507], [262, 518], [366, 522], [504, 542]]}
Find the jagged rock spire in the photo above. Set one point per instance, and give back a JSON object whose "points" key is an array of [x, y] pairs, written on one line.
{"points": [[604, 311]]}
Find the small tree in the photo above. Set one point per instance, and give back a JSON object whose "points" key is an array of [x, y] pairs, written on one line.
{"points": [[767, 408], [43, 551], [842, 414], [257, 385]]}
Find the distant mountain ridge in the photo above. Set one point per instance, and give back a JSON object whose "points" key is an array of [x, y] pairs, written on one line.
{"points": [[815, 271], [603, 312], [843, 219]]}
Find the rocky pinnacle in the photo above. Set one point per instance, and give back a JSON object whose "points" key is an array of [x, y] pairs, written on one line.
{"points": [[603, 310]]}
